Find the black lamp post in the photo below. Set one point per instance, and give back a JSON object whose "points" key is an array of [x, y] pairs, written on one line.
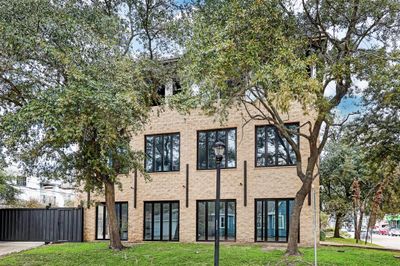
{"points": [[219, 150]]}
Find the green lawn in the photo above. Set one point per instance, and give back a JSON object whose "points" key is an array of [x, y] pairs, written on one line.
{"points": [[349, 241], [190, 254]]}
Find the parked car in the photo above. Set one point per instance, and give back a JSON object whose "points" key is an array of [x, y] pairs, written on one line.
{"points": [[394, 231], [375, 230], [383, 231]]}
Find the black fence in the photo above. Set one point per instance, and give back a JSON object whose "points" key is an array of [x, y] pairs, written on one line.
{"points": [[45, 225]]}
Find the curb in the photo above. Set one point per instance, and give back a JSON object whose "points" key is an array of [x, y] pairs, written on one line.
{"points": [[330, 244]]}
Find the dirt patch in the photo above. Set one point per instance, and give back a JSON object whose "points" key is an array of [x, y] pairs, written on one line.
{"points": [[273, 247]]}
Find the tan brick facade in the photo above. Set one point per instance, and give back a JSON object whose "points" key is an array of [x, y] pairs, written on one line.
{"points": [[262, 182]]}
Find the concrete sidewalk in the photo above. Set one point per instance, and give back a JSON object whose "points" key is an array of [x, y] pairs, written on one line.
{"points": [[11, 247]]}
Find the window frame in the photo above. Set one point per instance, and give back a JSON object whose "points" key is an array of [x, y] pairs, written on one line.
{"points": [[20, 181], [104, 219], [152, 202], [162, 153], [225, 157], [277, 228], [206, 219], [266, 151]]}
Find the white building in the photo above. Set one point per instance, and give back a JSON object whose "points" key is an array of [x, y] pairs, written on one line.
{"points": [[56, 193]]}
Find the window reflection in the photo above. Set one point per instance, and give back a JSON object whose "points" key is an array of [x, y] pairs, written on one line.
{"points": [[102, 227], [205, 152], [206, 220], [272, 219], [161, 221], [162, 153], [272, 149]]}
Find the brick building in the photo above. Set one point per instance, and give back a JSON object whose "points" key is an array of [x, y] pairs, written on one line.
{"points": [[258, 183]]}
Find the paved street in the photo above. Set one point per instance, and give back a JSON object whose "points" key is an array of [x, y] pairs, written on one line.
{"points": [[10, 247], [386, 241]]}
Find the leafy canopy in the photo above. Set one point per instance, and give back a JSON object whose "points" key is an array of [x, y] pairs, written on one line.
{"points": [[247, 49], [70, 97], [8, 193]]}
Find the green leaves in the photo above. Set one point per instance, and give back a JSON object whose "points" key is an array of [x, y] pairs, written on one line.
{"points": [[70, 99], [8, 194], [238, 46]]}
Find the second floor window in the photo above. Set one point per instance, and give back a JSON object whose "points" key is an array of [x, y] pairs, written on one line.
{"points": [[162, 153], [205, 152], [272, 149], [20, 181]]}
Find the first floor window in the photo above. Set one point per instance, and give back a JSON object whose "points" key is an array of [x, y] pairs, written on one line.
{"points": [[206, 220], [272, 219], [161, 221], [102, 230]]}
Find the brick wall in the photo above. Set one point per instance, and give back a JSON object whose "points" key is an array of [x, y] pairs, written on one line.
{"points": [[271, 182]]}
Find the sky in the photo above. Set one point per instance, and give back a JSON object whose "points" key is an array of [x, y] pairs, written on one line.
{"points": [[349, 105]]}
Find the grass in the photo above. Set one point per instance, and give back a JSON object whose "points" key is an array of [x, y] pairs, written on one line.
{"points": [[349, 241], [191, 254]]}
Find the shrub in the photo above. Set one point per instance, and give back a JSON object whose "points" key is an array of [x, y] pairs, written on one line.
{"points": [[322, 236]]}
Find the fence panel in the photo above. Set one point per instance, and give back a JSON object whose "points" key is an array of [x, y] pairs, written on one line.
{"points": [[47, 225]]}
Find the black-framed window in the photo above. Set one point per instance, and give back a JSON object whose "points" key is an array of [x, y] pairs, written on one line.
{"points": [[102, 230], [272, 149], [205, 152], [20, 181], [161, 221], [272, 219], [162, 152], [205, 224]]}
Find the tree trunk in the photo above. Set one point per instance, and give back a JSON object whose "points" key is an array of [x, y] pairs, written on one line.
{"points": [[292, 248], [368, 229], [359, 226], [338, 224], [355, 221], [115, 240]]}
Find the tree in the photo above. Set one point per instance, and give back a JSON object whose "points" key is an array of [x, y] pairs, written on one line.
{"points": [[8, 193], [72, 90], [257, 53], [377, 132], [341, 164]]}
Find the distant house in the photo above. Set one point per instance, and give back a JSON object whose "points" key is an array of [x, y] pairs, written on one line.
{"points": [[55, 193]]}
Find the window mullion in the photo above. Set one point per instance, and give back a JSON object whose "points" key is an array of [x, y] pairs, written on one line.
{"points": [[276, 146], [120, 218], [226, 149], [276, 220], [206, 146], [266, 146], [287, 220], [104, 221], [226, 220], [206, 220], [265, 216], [154, 154], [172, 150], [161, 221], [170, 221], [162, 152], [152, 221]]}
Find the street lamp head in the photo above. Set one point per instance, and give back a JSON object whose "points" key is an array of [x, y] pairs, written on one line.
{"points": [[219, 150]]}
